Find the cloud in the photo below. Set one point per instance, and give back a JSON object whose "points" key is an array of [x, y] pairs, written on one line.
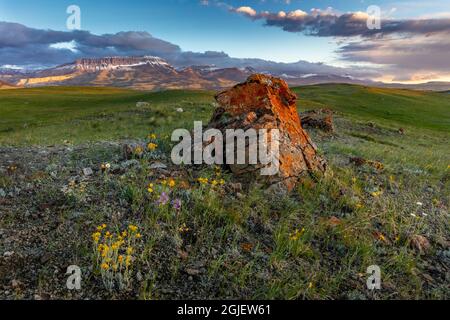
{"points": [[248, 11], [329, 23], [403, 58], [407, 49], [23, 45]]}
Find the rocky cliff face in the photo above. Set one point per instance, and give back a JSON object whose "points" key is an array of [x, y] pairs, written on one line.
{"points": [[112, 63], [144, 73]]}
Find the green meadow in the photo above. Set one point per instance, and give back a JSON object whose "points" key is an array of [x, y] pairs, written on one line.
{"points": [[315, 243]]}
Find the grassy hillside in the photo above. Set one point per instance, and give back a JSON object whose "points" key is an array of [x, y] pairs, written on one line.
{"points": [[52, 115], [224, 241], [417, 109]]}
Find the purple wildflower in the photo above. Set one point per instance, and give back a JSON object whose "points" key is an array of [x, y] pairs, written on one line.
{"points": [[176, 204], [163, 199]]}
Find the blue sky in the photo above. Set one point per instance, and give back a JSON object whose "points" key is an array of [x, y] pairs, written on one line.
{"points": [[211, 25], [196, 27]]}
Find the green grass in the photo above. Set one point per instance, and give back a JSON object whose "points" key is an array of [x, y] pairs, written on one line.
{"points": [[46, 116], [324, 262], [428, 110], [52, 115]]}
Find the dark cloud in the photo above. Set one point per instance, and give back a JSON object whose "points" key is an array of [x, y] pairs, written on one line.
{"points": [[331, 24], [20, 45], [404, 58], [402, 49], [23, 46]]}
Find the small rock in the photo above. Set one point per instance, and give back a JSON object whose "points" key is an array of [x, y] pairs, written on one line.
{"points": [[142, 104], [139, 276], [45, 258], [130, 164], [240, 195], [334, 221], [192, 272], [236, 187], [88, 172], [180, 110], [15, 284], [8, 254], [158, 165], [76, 215], [2, 193], [420, 243]]}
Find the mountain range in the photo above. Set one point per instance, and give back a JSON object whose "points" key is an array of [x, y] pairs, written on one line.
{"points": [[155, 73]]}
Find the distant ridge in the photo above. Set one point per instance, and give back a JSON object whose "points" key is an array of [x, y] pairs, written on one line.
{"points": [[155, 73], [5, 85]]}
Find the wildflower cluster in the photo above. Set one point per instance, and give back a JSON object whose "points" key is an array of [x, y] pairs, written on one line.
{"points": [[297, 234], [12, 168], [75, 189], [216, 181], [162, 193], [115, 254], [138, 151], [211, 182], [183, 228], [105, 167], [152, 145]]}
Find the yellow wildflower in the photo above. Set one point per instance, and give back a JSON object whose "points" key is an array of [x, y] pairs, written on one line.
{"points": [[172, 183], [132, 228], [376, 194], [128, 261], [105, 266], [138, 236], [152, 146], [214, 183], [152, 136], [296, 234], [129, 251], [96, 236], [138, 150], [120, 259]]}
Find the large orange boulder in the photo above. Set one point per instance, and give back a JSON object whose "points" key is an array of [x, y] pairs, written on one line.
{"points": [[265, 102]]}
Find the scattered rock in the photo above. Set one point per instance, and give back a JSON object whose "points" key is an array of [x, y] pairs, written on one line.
{"points": [[235, 187], [358, 161], [88, 172], [2, 193], [142, 104], [264, 102], [420, 243], [76, 215], [192, 272], [334, 221], [16, 284], [8, 254], [130, 164], [320, 119], [157, 166]]}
